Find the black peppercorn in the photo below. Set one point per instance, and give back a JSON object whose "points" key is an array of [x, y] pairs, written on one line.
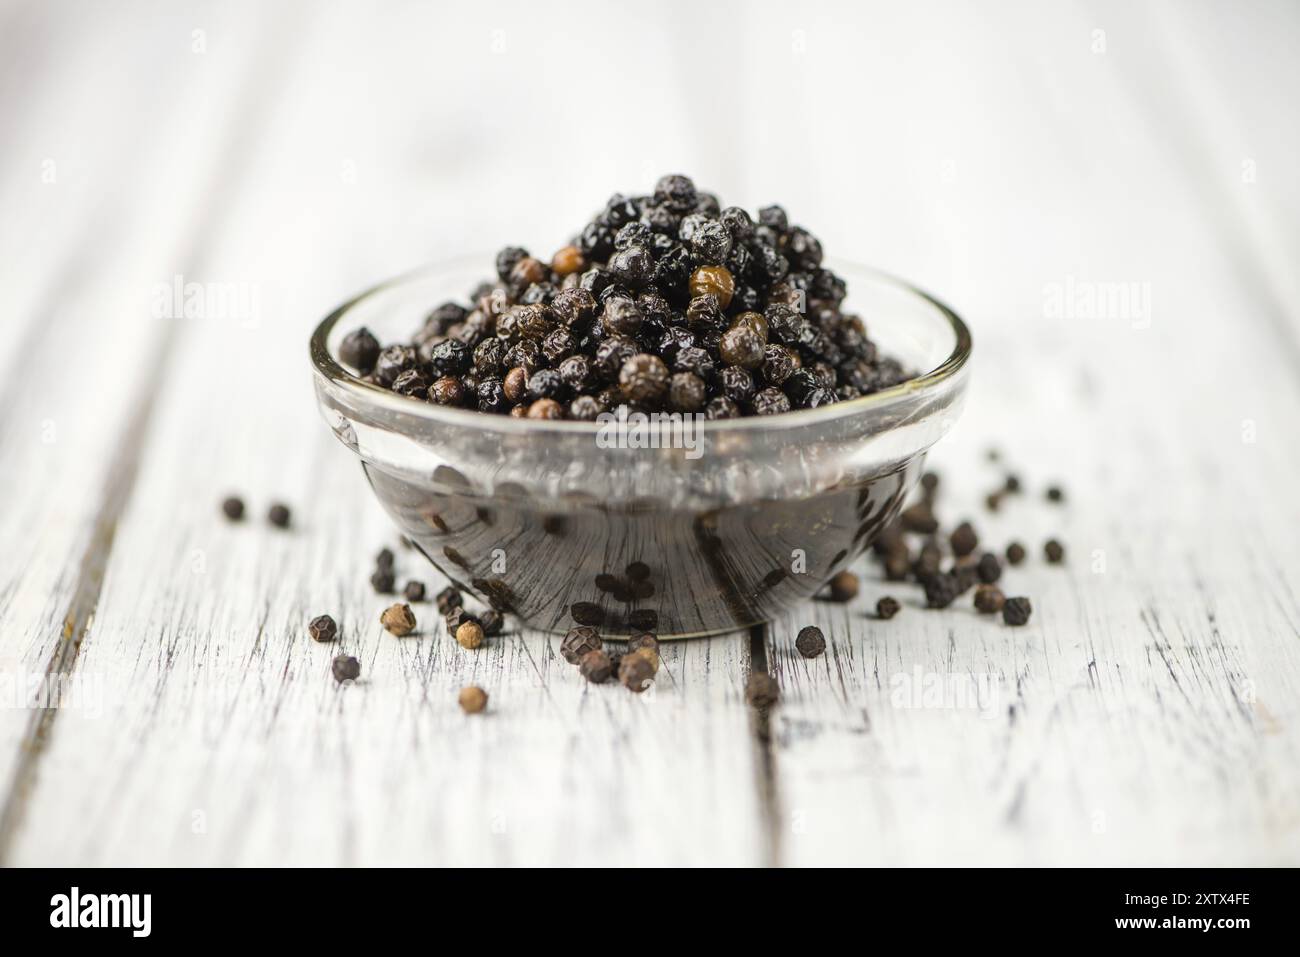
{"points": [[963, 539], [578, 641], [1054, 551], [233, 508], [346, 668], [1016, 611], [989, 568], [278, 515], [448, 599], [360, 350], [1015, 553], [492, 622], [887, 607], [414, 591], [771, 402], [323, 628], [383, 581], [810, 642]]}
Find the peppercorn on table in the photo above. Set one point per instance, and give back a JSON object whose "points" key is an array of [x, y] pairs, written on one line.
{"points": [[1107, 193]]}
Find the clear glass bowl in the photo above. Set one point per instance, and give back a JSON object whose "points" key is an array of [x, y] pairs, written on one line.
{"points": [[559, 523]]}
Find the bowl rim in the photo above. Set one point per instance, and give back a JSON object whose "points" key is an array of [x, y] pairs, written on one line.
{"points": [[329, 369]]}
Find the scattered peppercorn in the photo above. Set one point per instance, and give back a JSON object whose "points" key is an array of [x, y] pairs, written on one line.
{"points": [[1054, 551], [414, 591], [469, 635], [323, 628], [233, 508], [989, 599], [1015, 553], [1016, 611], [346, 668], [887, 607], [448, 599], [384, 559], [492, 622], [643, 639], [578, 641], [963, 539], [398, 620], [844, 587], [472, 699], [810, 641], [635, 672], [595, 666], [988, 568], [383, 580], [278, 515], [1055, 494]]}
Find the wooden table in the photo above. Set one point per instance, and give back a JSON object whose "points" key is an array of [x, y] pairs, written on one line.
{"points": [[1017, 161]]}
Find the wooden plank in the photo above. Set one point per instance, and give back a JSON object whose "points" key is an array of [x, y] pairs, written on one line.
{"points": [[224, 739], [76, 405], [1146, 715]]}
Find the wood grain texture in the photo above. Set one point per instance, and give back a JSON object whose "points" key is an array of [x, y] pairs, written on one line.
{"points": [[1146, 715]]}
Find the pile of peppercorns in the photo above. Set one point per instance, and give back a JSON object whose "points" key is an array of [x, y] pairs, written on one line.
{"points": [[635, 667], [666, 302]]}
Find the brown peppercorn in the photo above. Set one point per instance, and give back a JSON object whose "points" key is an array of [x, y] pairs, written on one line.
{"points": [[810, 641], [595, 666], [963, 539], [713, 280], [448, 390], [989, 599], [1015, 553], [887, 607], [1016, 611], [472, 699], [755, 321], [741, 346], [545, 409], [844, 587], [528, 271], [650, 654], [414, 591], [578, 642], [346, 668], [643, 379], [398, 620], [1054, 551], [469, 635], [323, 628], [515, 383], [635, 672], [567, 259], [761, 690], [519, 411]]}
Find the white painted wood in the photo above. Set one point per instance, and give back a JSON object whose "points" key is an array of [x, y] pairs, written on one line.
{"points": [[1146, 715]]}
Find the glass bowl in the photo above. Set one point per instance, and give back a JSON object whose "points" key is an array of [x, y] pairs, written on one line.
{"points": [[682, 531]]}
